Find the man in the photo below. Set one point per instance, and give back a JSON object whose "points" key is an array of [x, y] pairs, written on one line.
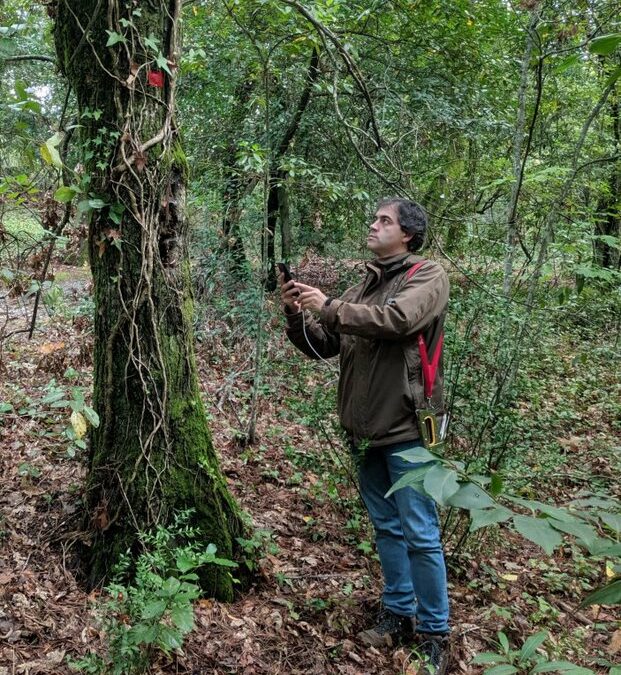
{"points": [[374, 328]]}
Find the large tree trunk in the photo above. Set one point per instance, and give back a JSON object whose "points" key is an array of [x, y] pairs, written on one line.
{"points": [[152, 454]]}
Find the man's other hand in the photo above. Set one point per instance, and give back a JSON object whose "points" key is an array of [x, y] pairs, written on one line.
{"points": [[289, 294], [310, 297]]}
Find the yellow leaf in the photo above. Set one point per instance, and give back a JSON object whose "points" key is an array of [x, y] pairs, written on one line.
{"points": [[610, 570], [509, 577], [78, 422]]}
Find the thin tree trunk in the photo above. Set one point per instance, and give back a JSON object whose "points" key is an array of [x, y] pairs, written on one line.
{"points": [[518, 161], [152, 454], [609, 207]]}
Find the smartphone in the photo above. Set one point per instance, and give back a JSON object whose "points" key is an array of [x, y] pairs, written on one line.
{"points": [[286, 272]]}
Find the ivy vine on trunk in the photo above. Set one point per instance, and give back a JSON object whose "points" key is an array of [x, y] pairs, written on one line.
{"points": [[152, 454]]}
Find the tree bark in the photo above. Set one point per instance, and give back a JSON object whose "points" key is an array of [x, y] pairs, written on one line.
{"points": [[152, 454]]}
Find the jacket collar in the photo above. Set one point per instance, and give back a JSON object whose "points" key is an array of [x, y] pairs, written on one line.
{"points": [[392, 265]]}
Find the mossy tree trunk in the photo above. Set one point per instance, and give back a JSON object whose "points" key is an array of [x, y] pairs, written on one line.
{"points": [[152, 454]]}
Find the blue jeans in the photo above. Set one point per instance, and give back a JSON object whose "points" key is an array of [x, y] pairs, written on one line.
{"points": [[408, 540]]}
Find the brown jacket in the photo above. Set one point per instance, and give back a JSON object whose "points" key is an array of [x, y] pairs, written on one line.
{"points": [[374, 328]]}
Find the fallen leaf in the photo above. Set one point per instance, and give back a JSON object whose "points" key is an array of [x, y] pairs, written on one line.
{"points": [[615, 643]]}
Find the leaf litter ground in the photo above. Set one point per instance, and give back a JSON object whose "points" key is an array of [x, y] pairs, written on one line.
{"points": [[318, 581]]}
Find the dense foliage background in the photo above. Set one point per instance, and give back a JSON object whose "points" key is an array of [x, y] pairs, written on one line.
{"points": [[503, 120]]}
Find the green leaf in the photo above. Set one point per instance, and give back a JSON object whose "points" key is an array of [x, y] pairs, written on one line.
{"points": [[50, 154], [607, 595], [65, 194], [539, 531], [488, 657], [616, 74], [185, 562], [471, 496], [152, 43], [441, 483], [154, 609], [584, 533], [485, 517], [496, 484], [504, 669], [611, 520], [169, 639], [162, 62], [224, 562], [567, 63], [54, 397], [615, 670], [561, 667], [171, 587], [91, 416], [5, 407], [411, 479], [418, 455], [606, 44], [504, 642], [532, 644], [548, 509], [183, 618], [114, 38], [96, 203], [144, 633]]}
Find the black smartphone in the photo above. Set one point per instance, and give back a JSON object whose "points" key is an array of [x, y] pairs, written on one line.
{"points": [[286, 272]]}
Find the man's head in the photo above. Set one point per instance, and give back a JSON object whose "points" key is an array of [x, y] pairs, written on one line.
{"points": [[400, 226]]}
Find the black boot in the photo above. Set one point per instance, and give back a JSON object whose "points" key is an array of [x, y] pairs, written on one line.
{"points": [[434, 653], [390, 629]]}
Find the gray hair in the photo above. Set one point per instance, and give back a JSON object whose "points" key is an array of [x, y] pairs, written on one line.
{"points": [[412, 220]]}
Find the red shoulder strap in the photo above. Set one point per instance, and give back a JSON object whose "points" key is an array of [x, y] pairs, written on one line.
{"points": [[430, 369]]}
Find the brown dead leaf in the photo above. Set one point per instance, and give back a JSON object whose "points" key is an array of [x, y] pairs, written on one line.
{"points": [[615, 643], [50, 347]]}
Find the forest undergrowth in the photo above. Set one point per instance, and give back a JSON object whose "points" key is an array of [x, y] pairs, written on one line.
{"points": [[318, 579]]}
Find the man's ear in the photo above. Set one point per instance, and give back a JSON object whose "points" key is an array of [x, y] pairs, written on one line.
{"points": [[407, 237]]}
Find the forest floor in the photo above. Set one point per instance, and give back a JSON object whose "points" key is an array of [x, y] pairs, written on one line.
{"points": [[318, 582]]}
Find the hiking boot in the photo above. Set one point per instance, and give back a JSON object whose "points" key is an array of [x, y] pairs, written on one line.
{"points": [[433, 652], [390, 629]]}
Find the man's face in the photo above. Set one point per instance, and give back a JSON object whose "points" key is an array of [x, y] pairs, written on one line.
{"points": [[386, 237]]}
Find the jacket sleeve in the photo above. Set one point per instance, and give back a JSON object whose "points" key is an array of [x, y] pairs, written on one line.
{"points": [[323, 342], [420, 300]]}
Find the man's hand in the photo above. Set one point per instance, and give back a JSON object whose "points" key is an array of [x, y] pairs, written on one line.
{"points": [[310, 297], [289, 294]]}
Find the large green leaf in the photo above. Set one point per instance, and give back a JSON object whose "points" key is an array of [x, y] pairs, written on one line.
{"points": [[154, 609], [584, 533], [548, 509], [606, 44], [411, 479], [183, 618], [441, 483], [488, 657], [471, 496], [607, 595], [485, 517], [417, 454], [611, 520], [65, 194], [532, 644], [561, 667], [504, 669], [539, 531]]}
